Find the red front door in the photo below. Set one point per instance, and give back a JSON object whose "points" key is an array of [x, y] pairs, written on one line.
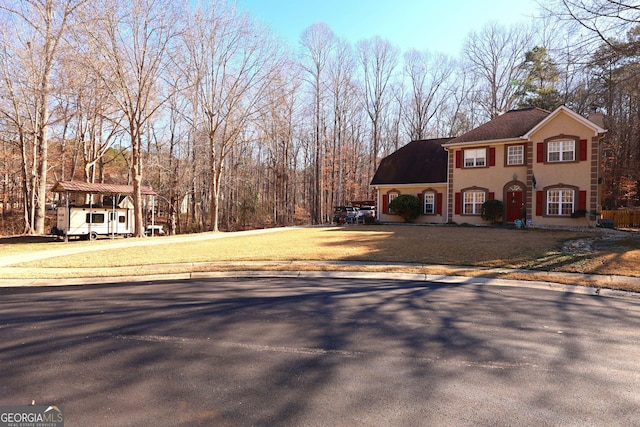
{"points": [[514, 205]]}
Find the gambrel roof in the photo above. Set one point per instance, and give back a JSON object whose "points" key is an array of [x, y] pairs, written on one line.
{"points": [[421, 161]]}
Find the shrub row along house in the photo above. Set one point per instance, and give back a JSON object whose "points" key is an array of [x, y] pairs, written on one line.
{"points": [[544, 167]]}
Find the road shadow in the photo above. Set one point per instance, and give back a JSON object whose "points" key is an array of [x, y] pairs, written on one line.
{"points": [[268, 352], [14, 240]]}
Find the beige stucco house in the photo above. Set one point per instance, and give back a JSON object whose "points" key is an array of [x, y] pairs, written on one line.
{"points": [[543, 166]]}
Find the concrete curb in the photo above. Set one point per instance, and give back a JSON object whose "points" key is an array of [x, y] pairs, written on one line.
{"points": [[414, 277]]}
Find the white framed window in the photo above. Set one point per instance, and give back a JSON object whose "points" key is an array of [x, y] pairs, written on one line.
{"points": [[560, 201], [475, 157], [515, 155], [392, 196], [472, 202], [561, 151], [429, 199]]}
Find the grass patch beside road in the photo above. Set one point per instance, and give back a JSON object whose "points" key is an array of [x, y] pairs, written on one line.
{"points": [[420, 246], [489, 247]]}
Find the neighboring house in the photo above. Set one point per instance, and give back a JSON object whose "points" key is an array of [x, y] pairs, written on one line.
{"points": [[543, 166]]}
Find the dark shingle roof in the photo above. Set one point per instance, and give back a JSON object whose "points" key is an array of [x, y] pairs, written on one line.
{"points": [[87, 187], [512, 124], [423, 161]]}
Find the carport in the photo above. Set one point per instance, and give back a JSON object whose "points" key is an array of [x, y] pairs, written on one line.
{"points": [[86, 200]]}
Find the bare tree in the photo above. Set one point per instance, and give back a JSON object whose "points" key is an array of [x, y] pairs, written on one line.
{"points": [[317, 42], [36, 29], [277, 125], [344, 96], [230, 64], [89, 121], [379, 60], [495, 55], [131, 41], [607, 19], [428, 76]]}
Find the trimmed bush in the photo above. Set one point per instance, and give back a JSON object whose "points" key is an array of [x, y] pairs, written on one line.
{"points": [[492, 210], [407, 206]]}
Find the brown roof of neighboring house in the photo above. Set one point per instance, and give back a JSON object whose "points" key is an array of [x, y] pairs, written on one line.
{"points": [[87, 187], [512, 124], [422, 161]]}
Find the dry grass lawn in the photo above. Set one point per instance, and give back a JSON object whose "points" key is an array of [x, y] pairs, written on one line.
{"points": [[423, 246]]}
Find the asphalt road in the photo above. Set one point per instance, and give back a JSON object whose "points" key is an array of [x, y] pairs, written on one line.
{"points": [[320, 352]]}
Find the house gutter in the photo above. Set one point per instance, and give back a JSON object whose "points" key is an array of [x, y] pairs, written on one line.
{"points": [[487, 142], [376, 187]]}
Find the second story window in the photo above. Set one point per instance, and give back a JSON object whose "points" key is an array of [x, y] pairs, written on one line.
{"points": [[515, 155], [561, 151], [475, 157]]}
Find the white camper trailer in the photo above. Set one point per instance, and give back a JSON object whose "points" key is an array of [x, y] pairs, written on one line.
{"points": [[91, 222], [91, 210]]}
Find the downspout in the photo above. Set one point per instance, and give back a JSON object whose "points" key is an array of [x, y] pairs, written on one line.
{"points": [[90, 214], [153, 214], [66, 231], [115, 217]]}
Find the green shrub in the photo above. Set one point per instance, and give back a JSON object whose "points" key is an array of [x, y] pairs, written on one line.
{"points": [[407, 206], [492, 210]]}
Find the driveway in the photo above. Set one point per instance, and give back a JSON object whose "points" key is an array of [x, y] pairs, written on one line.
{"points": [[315, 352]]}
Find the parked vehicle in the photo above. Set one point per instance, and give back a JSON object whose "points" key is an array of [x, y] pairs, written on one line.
{"points": [[368, 211], [154, 230], [347, 215], [90, 222]]}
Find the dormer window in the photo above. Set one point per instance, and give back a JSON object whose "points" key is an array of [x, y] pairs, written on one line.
{"points": [[561, 151], [475, 158]]}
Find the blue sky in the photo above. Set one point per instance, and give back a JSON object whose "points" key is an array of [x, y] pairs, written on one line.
{"points": [[435, 25]]}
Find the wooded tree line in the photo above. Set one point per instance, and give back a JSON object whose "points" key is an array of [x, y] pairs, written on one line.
{"points": [[235, 128]]}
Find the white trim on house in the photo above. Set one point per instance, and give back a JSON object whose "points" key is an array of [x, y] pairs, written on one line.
{"points": [[415, 184], [516, 140], [597, 130]]}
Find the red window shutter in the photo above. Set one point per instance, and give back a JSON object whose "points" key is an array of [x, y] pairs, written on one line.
{"points": [[492, 156], [491, 196], [385, 203], [540, 152], [421, 198], [582, 200], [458, 203], [539, 200], [439, 203], [583, 150], [458, 158]]}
